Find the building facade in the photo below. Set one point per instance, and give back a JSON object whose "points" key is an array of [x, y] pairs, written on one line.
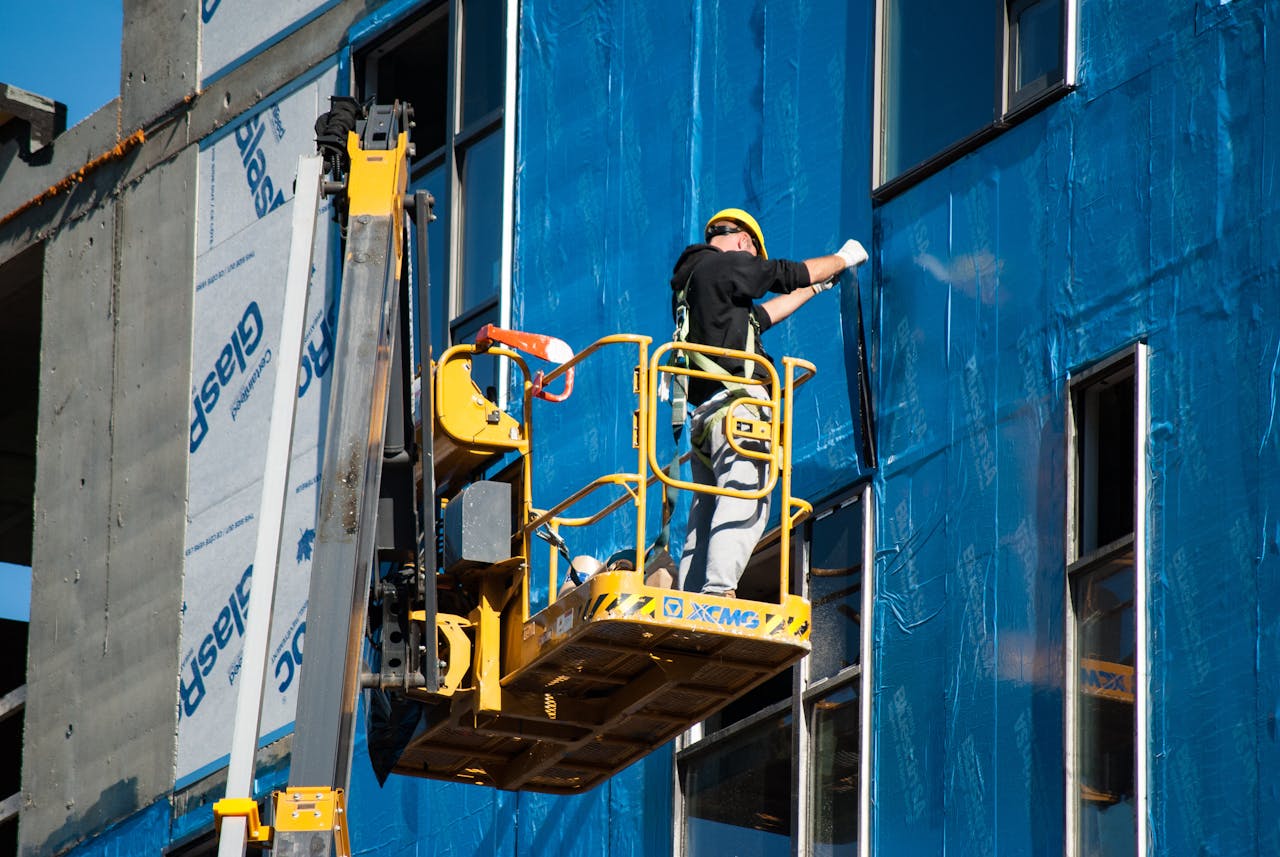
{"points": [[1054, 458]]}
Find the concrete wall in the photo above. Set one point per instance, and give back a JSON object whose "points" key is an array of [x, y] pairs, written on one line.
{"points": [[111, 464], [158, 59], [109, 513]]}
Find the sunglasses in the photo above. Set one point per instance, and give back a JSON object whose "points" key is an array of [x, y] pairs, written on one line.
{"points": [[726, 229]]}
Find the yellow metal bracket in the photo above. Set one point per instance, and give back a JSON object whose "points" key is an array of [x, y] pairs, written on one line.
{"points": [[458, 661], [463, 412], [257, 834], [378, 177], [738, 429], [314, 810]]}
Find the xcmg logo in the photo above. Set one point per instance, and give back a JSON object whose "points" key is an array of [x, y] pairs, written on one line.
{"points": [[731, 617], [254, 160], [245, 338]]}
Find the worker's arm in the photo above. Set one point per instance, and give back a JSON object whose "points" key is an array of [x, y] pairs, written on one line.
{"points": [[783, 305], [822, 271], [823, 268]]}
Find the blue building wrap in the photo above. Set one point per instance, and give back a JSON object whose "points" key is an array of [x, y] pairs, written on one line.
{"points": [[1137, 208], [1142, 206], [636, 123]]}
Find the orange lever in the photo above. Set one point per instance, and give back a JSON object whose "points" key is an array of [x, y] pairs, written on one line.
{"points": [[540, 345]]}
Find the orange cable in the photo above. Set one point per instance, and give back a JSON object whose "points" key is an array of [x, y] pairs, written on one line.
{"points": [[116, 152]]}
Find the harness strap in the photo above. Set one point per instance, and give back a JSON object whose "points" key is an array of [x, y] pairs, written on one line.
{"points": [[680, 399], [663, 539], [704, 362]]}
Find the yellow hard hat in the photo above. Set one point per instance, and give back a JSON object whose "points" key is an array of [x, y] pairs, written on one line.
{"points": [[737, 215]]}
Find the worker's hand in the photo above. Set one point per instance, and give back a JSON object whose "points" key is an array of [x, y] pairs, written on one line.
{"points": [[852, 253], [819, 288]]}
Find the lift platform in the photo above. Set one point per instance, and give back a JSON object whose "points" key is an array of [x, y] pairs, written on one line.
{"points": [[616, 668], [609, 673]]}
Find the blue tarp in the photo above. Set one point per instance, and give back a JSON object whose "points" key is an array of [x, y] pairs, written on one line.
{"points": [[635, 126], [1138, 208]]}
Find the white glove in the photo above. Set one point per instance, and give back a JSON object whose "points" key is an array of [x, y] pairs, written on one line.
{"points": [[819, 288], [852, 253]]}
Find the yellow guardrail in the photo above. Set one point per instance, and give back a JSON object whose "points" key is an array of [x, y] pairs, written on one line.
{"points": [[773, 405], [774, 427], [794, 509], [778, 455], [633, 484]]}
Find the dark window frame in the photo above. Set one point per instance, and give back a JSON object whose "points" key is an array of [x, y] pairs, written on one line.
{"points": [[1010, 105], [1096, 550], [799, 706], [459, 139]]}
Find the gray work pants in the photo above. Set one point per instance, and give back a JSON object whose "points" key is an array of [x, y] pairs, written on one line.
{"points": [[723, 531]]}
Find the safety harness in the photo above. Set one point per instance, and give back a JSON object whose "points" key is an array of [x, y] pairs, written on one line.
{"points": [[733, 391]]}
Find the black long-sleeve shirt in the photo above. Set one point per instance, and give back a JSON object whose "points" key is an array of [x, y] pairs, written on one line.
{"points": [[721, 289]]}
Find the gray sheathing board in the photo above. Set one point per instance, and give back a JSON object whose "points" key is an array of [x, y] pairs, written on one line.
{"points": [[231, 31], [111, 474], [244, 209]]}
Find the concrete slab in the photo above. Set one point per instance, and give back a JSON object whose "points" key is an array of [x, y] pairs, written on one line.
{"points": [[40, 119]]}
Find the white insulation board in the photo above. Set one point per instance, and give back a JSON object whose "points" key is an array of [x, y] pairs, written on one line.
{"points": [[245, 201], [232, 31]]}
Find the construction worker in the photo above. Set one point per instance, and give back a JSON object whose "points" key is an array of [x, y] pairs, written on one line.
{"points": [[715, 287]]}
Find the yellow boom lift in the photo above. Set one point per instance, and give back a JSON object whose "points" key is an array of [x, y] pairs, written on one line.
{"points": [[505, 686]]}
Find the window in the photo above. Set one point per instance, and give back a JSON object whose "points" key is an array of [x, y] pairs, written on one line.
{"points": [[835, 774], [1104, 547], [835, 589], [794, 747], [737, 790], [952, 74], [839, 550], [1035, 54], [451, 65]]}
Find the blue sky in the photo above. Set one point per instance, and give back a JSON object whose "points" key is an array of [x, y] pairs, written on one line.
{"points": [[15, 592], [67, 50]]}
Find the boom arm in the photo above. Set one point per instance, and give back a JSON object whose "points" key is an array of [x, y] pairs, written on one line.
{"points": [[311, 813]]}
